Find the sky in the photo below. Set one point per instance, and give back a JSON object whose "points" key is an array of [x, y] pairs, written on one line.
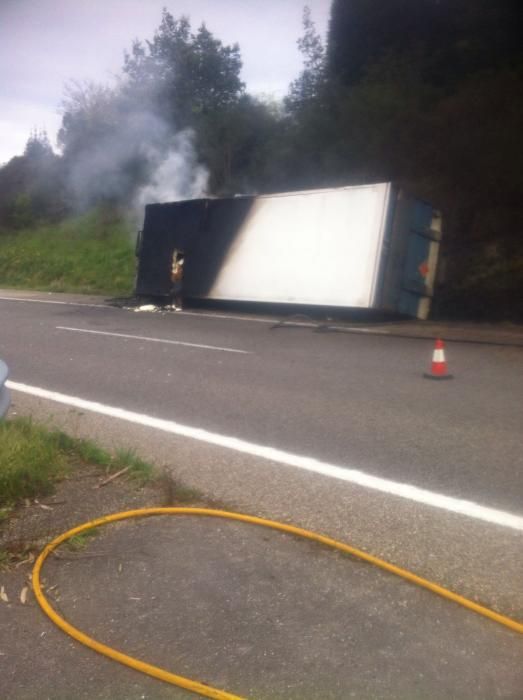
{"points": [[45, 43]]}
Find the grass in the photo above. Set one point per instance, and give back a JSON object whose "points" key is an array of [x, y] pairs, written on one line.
{"points": [[184, 495], [33, 458], [78, 542], [4, 514], [138, 468], [89, 254]]}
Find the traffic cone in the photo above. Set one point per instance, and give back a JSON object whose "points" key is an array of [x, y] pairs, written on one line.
{"points": [[439, 368]]}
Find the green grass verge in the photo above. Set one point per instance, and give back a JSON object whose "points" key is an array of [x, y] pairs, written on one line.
{"points": [[88, 254], [80, 541], [32, 458]]}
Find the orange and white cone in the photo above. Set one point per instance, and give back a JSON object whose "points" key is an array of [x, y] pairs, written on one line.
{"points": [[439, 368]]}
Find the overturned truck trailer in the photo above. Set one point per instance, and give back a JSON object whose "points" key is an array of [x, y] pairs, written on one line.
{"points": [[368, 246]]}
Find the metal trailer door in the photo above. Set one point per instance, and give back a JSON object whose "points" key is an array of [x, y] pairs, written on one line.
{"points": [[167, 228], [419, 272]]}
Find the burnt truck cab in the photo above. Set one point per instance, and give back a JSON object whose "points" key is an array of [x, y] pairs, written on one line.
{"points": [[367, 246]]}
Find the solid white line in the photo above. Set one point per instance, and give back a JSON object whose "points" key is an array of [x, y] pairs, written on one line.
{"points": [[54, 301], [128, 308], [288, 323], [201, 314], [354, 476], [205, 314], [154, 340]]}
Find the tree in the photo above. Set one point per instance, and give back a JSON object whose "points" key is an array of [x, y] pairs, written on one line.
{"points": [[114, 139], [239, 146], [90, 113], [193, 81], [307, 88], [184, 75], [107, 140], [450, 38], [426, 93], [38, 147], [31, 185]]}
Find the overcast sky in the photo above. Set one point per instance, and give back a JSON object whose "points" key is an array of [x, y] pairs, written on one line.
{"points": [[44, 43]]}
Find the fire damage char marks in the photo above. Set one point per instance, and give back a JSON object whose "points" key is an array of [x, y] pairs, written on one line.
{"points": [[204, 229]]}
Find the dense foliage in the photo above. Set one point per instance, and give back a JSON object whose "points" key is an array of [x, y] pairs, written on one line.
{"points": [[423, 92], [428, 93]]}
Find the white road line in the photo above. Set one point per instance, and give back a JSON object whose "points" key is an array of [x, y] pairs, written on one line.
{"points": [[204, 314], [154, 340], [124, 308], [201, 314], [54, 301], [354, 476], [294, 324]]}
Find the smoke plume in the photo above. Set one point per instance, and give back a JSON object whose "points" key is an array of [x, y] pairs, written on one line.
{"points": [[133, 158], [175, 175]]}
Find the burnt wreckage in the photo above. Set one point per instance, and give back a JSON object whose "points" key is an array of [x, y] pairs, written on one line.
{"points": [[365, 246]]}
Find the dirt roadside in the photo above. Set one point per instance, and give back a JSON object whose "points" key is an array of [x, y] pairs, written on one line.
{"points": [[257, 613], [37, 659]]}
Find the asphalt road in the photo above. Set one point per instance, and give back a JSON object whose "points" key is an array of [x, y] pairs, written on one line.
{"points": [[352, 400], [355, 401]]}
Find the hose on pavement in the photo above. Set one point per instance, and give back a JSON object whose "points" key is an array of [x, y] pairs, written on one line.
{"points": [[196, 686]]}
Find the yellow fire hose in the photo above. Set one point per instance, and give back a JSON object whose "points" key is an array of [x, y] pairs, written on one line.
{"points": [[195, 686]]}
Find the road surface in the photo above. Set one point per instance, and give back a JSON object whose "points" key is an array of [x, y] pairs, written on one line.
{"points": [[355, 401], [335, 431]]}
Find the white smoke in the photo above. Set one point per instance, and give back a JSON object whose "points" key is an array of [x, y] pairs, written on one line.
{"points": [[137, 159], [177, 173]]}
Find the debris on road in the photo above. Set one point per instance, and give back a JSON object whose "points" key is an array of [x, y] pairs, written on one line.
{"points": [[147, 307], [111, 478]]}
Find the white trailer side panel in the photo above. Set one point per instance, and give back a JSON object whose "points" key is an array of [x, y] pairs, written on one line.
{"points": [[320, 247]]}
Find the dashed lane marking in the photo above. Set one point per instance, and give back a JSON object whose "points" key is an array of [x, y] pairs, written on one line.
{"points": [[154, 340]]}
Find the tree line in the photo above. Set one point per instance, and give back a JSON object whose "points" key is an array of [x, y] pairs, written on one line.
{"points": [[426, 93]]}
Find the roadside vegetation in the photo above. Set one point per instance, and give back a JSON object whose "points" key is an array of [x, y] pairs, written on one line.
{"points": [[78, 542], [90, 254], [33, 458]]}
